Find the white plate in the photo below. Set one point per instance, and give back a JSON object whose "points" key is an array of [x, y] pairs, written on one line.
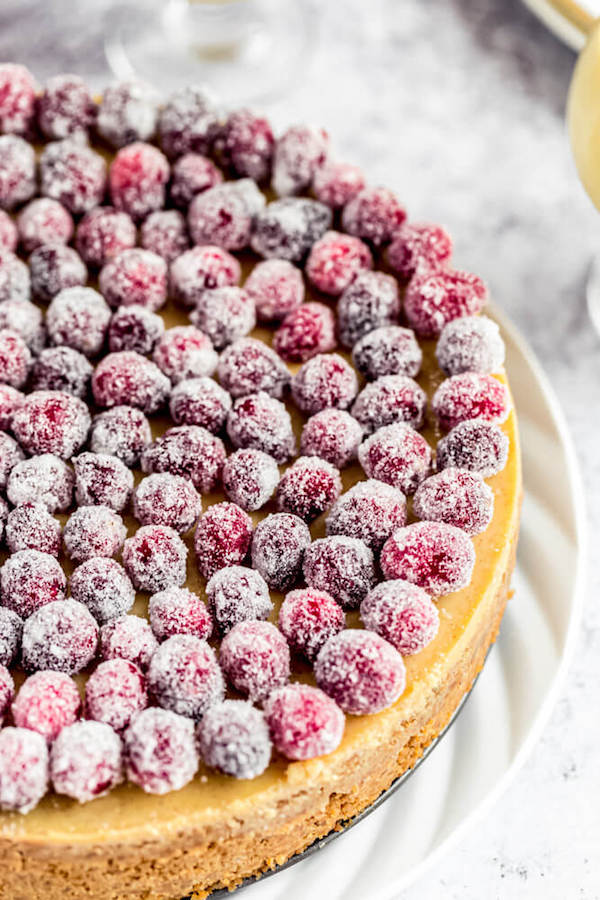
{"points": [[512, 700], [560, 23]]}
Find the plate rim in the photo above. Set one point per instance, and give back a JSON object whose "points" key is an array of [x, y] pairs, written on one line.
{"points": [[557, 23]]}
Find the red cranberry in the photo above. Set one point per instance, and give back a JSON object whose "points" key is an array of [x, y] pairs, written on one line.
{"points": [[299, 153], [8, 233], [129, 379], [222, 216], [202, 269], [370, 302], [10, 455], [432, 300], [236, 594], [250, 478], [102, 480], [335, 260], [54, 267], [188, 122], [155, 558], [62, 635], [114, 693], [456, 497], [336, 183], [160, 751], [245, 144], [191, 175], [26, 319], [401, 613], [476, 445], [74, 174], [47, 702], [11, 631], [65, 107], [288, 228], [7, 691], [417, 249], [44, 221], [179, 611], [342, 566], [43, 479], [233, 737], [333, 435], [137, 179], [277, 288], [127, 637], [248, 366], [262, 423], [470, 344], [185, 352], [86, 761], [103, 233], [122, 431], [308, 618], [469, 396], [93, 531], [51, 422], [15, 358], [222, 538], [165, 499], [78, 317], [224, 314], [304, 722], [164, 233], [324, 380], [184, 676], [308, 488], [392, 398], [189, 451], [10, 400], [255, 659], [278, 547], [15, 281], [23, 763], [389, 350], [102, 585], [374, 214], [360, 671], [398, 455], [435, 556], [17, 98], [127, 113], [135, 277], [134, 328], [200, 401], [370, 511], [17, 165], [305, 332], [31, 527]]}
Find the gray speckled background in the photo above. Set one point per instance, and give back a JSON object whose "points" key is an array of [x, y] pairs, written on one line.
{"points": [[459, 105]]}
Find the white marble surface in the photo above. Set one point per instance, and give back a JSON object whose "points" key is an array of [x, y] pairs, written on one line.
{"points": [[459, 105]]}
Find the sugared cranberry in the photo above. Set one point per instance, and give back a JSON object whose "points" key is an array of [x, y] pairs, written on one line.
{"points": [[374, 214], [127, 113], [419, 248], [86, 761], [288, 228], [23, 767], [278, 547], [248, 366], [128, 637], [222, 216], [62, 635], [122, 431], [222, 538], [456, 497], [335, 260], [191, 175], [10, 455], [263, 423], [185, 352], [102, 480], [78, 317], [17, 171], [436, 298], [15, 281], [342, 566], [245, 144], [435, 556], [401, 613], [233, 737], [389, 350], [189, 451], [10, 400], [74, 174], [236, 594], [17, 98], [200, 401], [476, 445], [155, 558], [31, 527], [336, 183], [4, 508], [11, 631], [398, 455], [308, 618], [188, 122], [323, 381], [299, 153], [134, 328], [15, 358], [164, 232], [184, 676], [42, 479], [179, 611], [333, 435], [103, 586], [135, 277], [103, 233], [202, 269], [65, 107], [8, 233], [26, 319], [250, 478], [469, 396], [114, 693], [370, 511], [370, 302], [137, 179], [392, 398], [93, 531], [255, 659], [51, 422], [44, 221], [308, 488], [277, 288], [129, 379], [7, 691], [54, 267], [304, 722], [47, 702], [224, 314], [305, 332], [165, 499], [470, 344], [160, 751]]}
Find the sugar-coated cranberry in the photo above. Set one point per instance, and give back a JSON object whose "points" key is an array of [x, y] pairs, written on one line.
{"points": [[308, 618], [308, 488], [93, 531], [86, 761], [129, 379], [42, 479], [135, 277], [233, 737], [224, 314], [78, 317], [137, 179], [248, 366], [236, 594], [65, 107], [370, 302], [370, 511], [102, 480], [200, 401], [74, 174], [11, 632], [202, 269], [401, 613], [103, 233], [9, 234], [26, 319], [31, 527], [277, 288], [160, 751], [17, 98], [188, 122], [304, 722], [192, 174], [7, 691], [469, 396], [54, 267], [323, 381], [179, 611], [433, 555], [190, 451], [335, 260], [47, 702], [392, 398], [223, 215], [128, 637], [134, 328], [222, 538], [245, 144], [15, 281], [336, 183], [165, 499], [263, 423], [299, 153], [342, 566], [44, 221], [51, 422], [10, 400], [476, 445], [374, 214], [114, 693], [457, 497], [4, 508], [305, 332], [278, 546], [127, 113], [17, 171], [23, 766], [436, 298], [62, 635], [155, 558], [333, 435], [62, 369], [255, 658], [122, 431], [185, 352], [184, 676], [470, 344], [164, 232], [104, 587], [250, 478], [10, 455], [389, 350], [15, 358], [361, 671], [288, 228], [419, 248], [398, 455]]}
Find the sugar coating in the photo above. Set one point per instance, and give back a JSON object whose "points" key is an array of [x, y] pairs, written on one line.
{"points": [[469, 396], [263, 423], [245, 144], [304, 722], [11, 631], [188, 122], [160, 751], [190, 451], [114, 693], [78, 317], [200, 401], [15, 281], [333, 435], [223, 215], [336, 183], [222, 538], [10, 400], [298, 154], [155, 558], [179, 611], [436, 298], [185, 352], [26, 319], [184, 676], [371, 301], [250, 478], [17, 164], [308, 488], [10, 455], [134, 328], [191, 174], [65, 107], [255, 659], [433, 555], [43, 221], [370, 511], [401, 613], [102, 585], [54, 267], [23, 769], [102, 480], [374, 214], [86, 761], [278, 546], [29, 580], [165, 499], [128, 112], [470, 344], [224, 314], [18, 90], [248, 365], [288, 228], [418, 248], [325, 380], [103, 233], [389, 399], [164, 232], [93, 531], [308, 618], [62, 636], [46, 702], [7, 691], [31, 527], [128, 637], [233, 737], [9, 234], [62, 369], [135, 277], [236, 594], [457, 497], [202, 269], [305, 332], [129, 379], [398, 455], [342, 566], [277, 288], [42, 479], [335, 260], [72, 173], [137, 179], [122, 431], [15, 358], [476, 445]]}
